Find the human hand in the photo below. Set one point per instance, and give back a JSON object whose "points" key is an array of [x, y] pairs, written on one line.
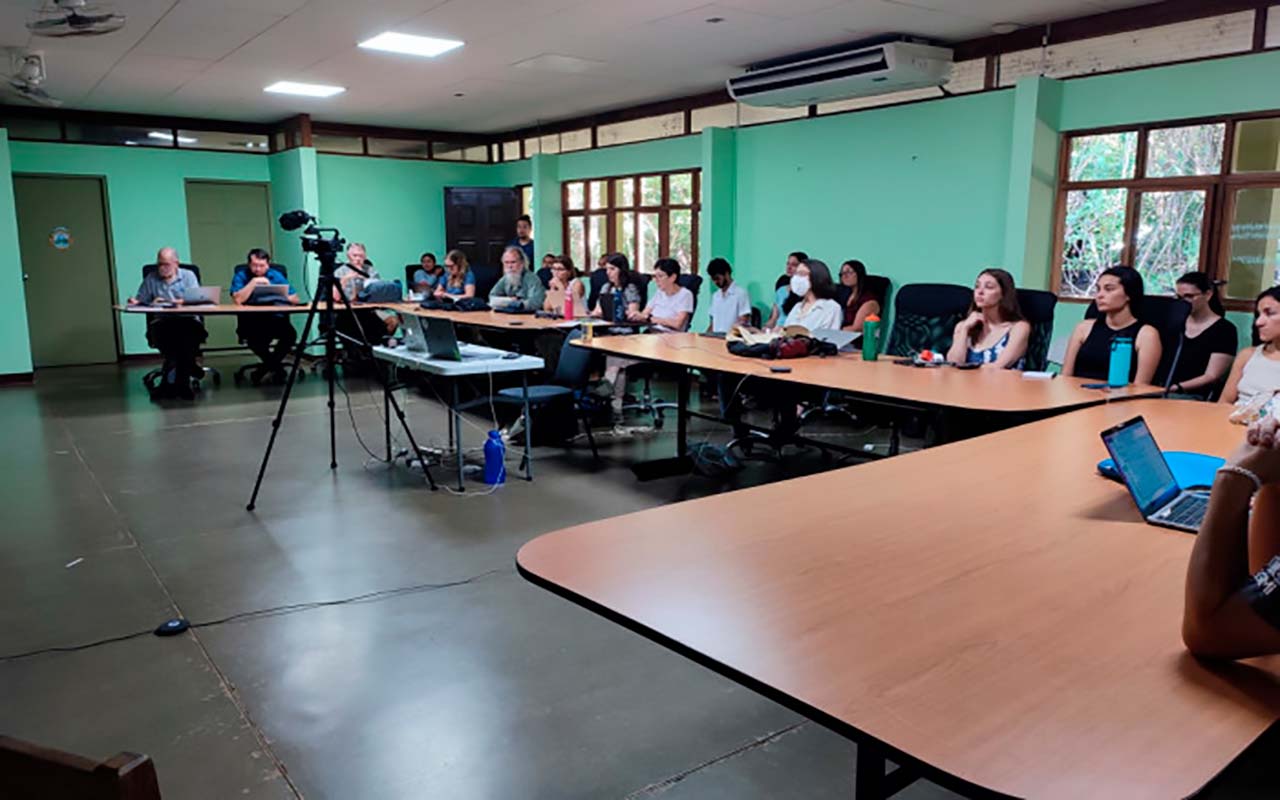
{"points": [[260, 281], [132, 301], [177, 301], [975, 318], [1260, 451]]}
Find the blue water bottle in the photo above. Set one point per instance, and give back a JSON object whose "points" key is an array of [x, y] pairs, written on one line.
{"points": [[495, 458], [1121, 360]]}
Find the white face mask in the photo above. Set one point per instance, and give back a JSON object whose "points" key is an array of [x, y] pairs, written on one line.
{"points": [[800, 285]]}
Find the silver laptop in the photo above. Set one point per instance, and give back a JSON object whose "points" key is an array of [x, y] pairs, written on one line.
{"points": [[442, 343], [1149, 479], [414, 339], [503, 302], [213, 294]]}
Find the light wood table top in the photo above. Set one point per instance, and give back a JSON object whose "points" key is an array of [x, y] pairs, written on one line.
{"points": [[985, 389], [482, 319], [223, 309], [992, 608]]}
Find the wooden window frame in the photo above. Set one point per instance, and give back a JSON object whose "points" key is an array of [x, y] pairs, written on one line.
{"points": [[1220, 191], [611, 211]]}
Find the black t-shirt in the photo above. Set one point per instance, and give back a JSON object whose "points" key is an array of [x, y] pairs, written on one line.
{"points": [[1220, 337]]}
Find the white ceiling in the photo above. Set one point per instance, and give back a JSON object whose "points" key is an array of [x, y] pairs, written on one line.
{"points": [[211, 58]]}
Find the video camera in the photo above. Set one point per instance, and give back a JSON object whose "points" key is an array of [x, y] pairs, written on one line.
{"points": [[314, 239]]}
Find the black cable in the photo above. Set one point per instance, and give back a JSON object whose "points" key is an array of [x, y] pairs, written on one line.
{"points": [[265, 612]]}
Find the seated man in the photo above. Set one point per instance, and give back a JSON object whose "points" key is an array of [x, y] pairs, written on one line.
{"points": [[364, 324], [730, 304], [259, 329], [178, 338], [518, 281], [1229, 614]]}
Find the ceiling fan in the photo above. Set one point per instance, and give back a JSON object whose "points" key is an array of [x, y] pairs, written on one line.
{"points": [[74, 18], [27, 75]]}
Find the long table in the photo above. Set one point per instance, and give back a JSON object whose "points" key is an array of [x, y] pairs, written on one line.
{"points": [[223, 309], [990, 614]]}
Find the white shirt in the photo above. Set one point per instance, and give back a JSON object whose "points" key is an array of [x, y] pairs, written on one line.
{"points": [[728, 306], [666, 305], [822, 315]]}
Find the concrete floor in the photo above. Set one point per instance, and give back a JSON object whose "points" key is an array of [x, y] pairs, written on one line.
{"points": [[118, 514]]}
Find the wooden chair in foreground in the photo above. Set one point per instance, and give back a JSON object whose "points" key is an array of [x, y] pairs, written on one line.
{"points": [[32, 772]]}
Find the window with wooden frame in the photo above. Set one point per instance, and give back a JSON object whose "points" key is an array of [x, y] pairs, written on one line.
{"points": [[1170, 198], [644, 217]]}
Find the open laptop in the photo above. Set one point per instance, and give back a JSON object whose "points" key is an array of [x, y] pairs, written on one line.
{"points": [[442, 343], [843, 340], [1149, 479], [267, 294], [414, 339]]}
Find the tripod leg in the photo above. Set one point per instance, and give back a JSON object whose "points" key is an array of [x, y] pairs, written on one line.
{"points": [[457, 433], [386, 407], [413, 444], [528, 428], [284, 401], [329, 356]]}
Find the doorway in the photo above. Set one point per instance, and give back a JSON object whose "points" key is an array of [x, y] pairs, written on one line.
{"points": [[480, 222], [224, 222], [66, 261]]}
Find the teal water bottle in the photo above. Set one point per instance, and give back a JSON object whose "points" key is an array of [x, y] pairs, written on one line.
{"points": [[1121, 360], [871, 338]]}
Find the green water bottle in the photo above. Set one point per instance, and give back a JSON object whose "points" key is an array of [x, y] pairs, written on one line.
{"points": [[871, 338]]}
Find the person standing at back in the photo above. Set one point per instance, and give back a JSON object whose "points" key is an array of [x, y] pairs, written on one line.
{"points": [[524, 238], [177, 337], [730, 304], [782, 289], [1119, 298], [1209, 340]]}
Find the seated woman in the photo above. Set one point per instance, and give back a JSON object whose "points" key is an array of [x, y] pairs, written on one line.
{"points": [[459, 281], [427, 275], [1209, 342], [995, 331], [812, 304], [566, 282], [625, 293], [857, 302], [1228, 613], [1255, 376], [1119, 299], [670, 307]]}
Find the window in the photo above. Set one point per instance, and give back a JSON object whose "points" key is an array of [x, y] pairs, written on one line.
{"points": [[450, 151], [32, 128], [526, 199], [510, 151], [335, 143], [644, 217], [639, 130], [1168, 199], [398, 148]]}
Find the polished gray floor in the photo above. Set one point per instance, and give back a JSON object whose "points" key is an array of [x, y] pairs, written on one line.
{"points": [[471, 683]]}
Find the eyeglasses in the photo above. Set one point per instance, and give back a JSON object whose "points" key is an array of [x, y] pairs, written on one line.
{"points": [[1189, 296]]}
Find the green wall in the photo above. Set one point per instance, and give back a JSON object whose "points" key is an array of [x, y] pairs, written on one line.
{"points": [[146, 194], [15, 345]]}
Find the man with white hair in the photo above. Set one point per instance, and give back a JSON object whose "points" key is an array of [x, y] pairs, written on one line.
{"points": [[518, 281], [178, 338]]}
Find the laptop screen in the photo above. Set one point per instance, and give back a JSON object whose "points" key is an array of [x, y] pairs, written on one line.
{"points": [[1139, 460]]}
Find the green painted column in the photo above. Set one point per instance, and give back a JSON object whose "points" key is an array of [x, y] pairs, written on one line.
{"points": [[1033, 176], [15, 341], [548, 227], [295, 184], [719, 208]]}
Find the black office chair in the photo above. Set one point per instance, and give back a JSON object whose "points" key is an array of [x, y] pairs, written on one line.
{"points": [[544, 275], [925, 317], [152, 379], [487, 277], [646, 403], [259, 367], [569, 381], [599, 278], [1038, 307]]}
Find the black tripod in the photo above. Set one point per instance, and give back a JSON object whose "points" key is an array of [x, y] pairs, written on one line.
{"points": [[326, 286]]}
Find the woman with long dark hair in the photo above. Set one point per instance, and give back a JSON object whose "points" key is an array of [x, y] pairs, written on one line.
{"points": [[1209, 342], [626, 295], [994, 332], [859, 303], [1119, 298], [1255, 377]]}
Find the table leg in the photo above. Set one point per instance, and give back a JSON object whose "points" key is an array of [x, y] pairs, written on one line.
{"points": [[870, 780], [682, 414], [528, 428], [386, 408], [457, 433]]}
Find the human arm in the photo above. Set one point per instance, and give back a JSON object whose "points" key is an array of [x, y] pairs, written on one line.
{"points": [[1219, 365], [1148, 350], [1019, 337], [860, 317], [242, 287], [772, 322], [959, 352], [1073, 347], [535, 292], [1223, 612], [1231, 392]]}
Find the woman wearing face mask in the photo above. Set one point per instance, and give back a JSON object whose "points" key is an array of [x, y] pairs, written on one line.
{"points": [[994, 332], [1209, 343], [1119, 298], [1255, 376], [812, 304]]}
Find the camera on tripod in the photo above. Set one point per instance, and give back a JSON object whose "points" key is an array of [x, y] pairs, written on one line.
{"points": [[321, 241]]}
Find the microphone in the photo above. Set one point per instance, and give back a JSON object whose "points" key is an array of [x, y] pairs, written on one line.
{"points": [[292, 220], [1182, 311]]}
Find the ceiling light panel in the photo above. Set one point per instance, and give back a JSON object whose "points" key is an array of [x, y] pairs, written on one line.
{"points": [[408, 44], [303, 89]]}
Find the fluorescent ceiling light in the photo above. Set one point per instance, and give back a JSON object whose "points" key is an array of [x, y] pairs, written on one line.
{"points": [[408, 44], [168, 137], [304, 89]]}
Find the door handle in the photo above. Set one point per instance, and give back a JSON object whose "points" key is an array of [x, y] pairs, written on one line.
{"points": [[25, 277]]}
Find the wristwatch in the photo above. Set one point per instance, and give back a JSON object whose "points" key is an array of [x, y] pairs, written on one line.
{"points": [[1177, 387]]}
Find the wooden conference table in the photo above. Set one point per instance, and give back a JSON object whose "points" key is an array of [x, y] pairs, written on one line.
{"points": [[990, 613]]}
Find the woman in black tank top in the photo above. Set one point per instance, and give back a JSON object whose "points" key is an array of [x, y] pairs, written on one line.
{"points": [[1089, 352]]}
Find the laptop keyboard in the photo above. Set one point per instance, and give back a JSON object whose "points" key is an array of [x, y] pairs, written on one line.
{"points": [[1187, 510]]}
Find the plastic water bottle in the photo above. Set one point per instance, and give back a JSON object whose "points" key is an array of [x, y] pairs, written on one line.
{"points": [[1121, 359], [495, 459], [568, 303], [870, 338]]}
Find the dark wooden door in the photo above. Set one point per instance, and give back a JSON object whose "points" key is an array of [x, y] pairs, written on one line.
{"points": [[480, 222]]}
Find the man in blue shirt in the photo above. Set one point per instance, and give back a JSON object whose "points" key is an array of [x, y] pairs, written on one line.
{"points": [[259, 328], [524, 237]]}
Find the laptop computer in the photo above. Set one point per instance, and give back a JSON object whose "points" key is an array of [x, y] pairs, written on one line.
{"points": [[503, 302], [1149, 479], [442, 343], [267, 294], [843, 340], [206, 295], [414, 339]]}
